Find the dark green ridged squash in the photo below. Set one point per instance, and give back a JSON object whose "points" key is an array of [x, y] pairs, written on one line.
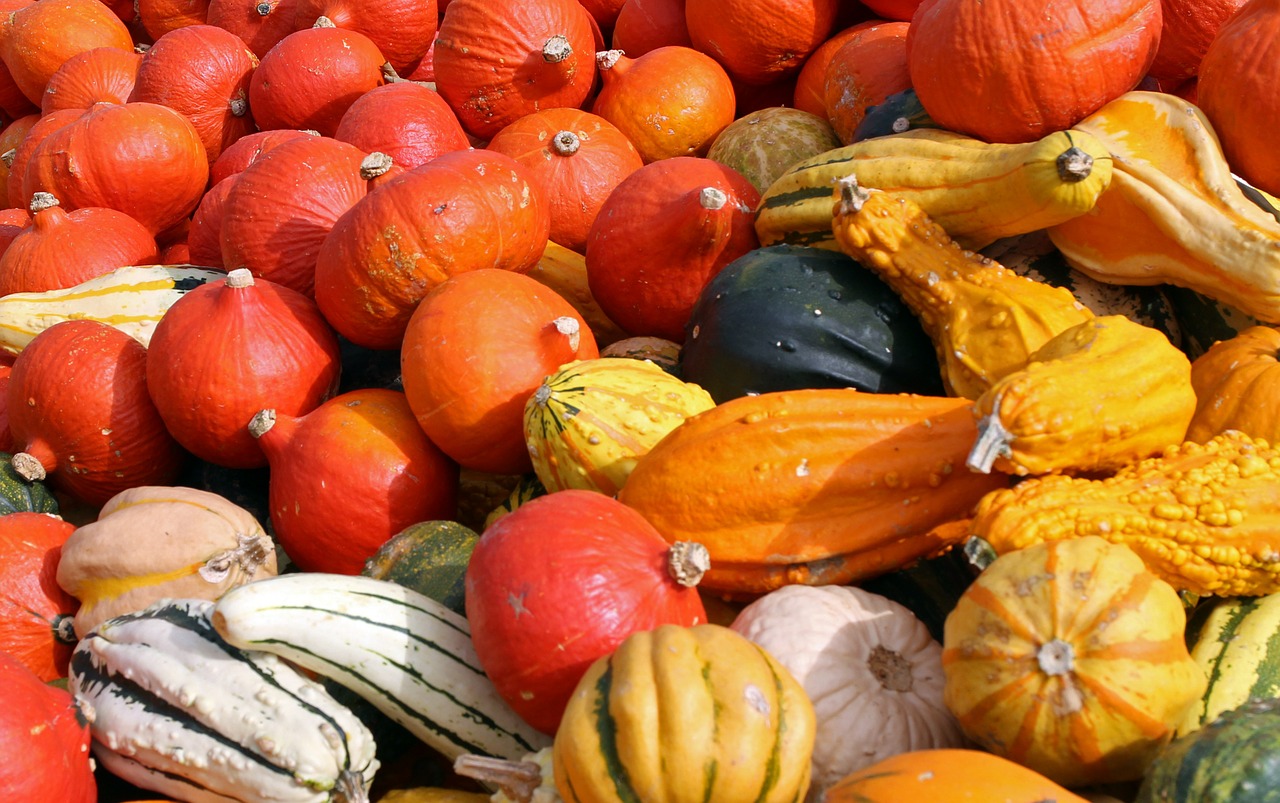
{"points": [[429, 557], [901, 111], [1234, 759], [20, 495], [786, 317]]}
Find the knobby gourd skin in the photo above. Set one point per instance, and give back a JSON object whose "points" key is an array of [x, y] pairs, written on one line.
{"points": [[984, 319], [978, 192], [1202, 516], [1173, 212], [1101, 394]]}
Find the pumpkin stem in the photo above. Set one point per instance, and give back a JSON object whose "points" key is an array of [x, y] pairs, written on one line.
{"points": [[390, 75], [264, 9], [900, 124], [993, 441], [556, 49], [240, 277], [891, 669], [374, 165], [323, 22], [852, 197], [41, 201], [64, 628], [239, 106], [565, 143], [543, 394], [8, 156], [1074, 165], [687, 561], [606, 59], [250, 553], [28, 467], [262, 422], [1056, 657], [567, 325], [712, 198], [518, 780]]}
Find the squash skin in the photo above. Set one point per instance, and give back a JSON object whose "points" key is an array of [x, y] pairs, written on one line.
{"points": [[35, 614], [1233, 640], [686, 714], [429, 557], [812, 486], [1200, 515], [1234, 382], [947, 776]]}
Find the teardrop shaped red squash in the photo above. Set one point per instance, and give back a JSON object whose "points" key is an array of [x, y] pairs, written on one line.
{"points": [[46, 737], [34, 610], [101, 75], [402, 30], [407, 121]]}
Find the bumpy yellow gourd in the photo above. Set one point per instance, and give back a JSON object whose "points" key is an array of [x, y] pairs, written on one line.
{"points": [[977, 191], [1101, 394], [1202, 516], [984, 320]]}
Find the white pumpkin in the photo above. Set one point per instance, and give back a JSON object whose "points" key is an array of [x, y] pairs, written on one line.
{"points": [[871, 668]]}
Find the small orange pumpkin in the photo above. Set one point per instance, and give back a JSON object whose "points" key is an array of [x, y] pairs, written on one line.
{"points": [[947, 776], [1235, 386], [35, 612], [760, 41]]}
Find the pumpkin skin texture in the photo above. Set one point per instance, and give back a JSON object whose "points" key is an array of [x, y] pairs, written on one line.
{"points": [[661, 235], [81, 414], [865, 71], [35, 613], [861, 658], [11, 137], [402, 30], [760, 41], [331, 516], [645, 25], [17, 196], [259, 24], [686, 714], [761, 145], [405, 120], [47, 737], [476, 348], [1233, 383], [526, 616], [1042, 70], [1187, 29], [159, 17], [1069, 658], [462, 211], [237, 156], [104, 74], [947, 776], [233, 347], [37, 38], [810, 90]]}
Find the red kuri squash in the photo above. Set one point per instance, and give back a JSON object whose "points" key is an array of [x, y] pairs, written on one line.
{"points": [[46, 738], [407, 121], [36, 615], [101, 75]]}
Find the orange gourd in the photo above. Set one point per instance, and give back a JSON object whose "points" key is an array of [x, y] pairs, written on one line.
{"points": [[36, 39], [811, 81], [1235, 383], [407, 121], [947, 776], [35, 613], [12, 101], [1186, 31], [159, 17], [101, 75], [760, 41], [15, 195], [645, 25], [260, 24], [245, 151], [402, 30], [869, 67], [11, 137]]}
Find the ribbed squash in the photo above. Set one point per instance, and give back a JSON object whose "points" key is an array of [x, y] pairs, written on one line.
{"points": [[977, 192], [1137, 399], [812, 486], [1202, 516], [1234, 382], [589, 423], [984, 320], [527, 487], [686, 715], [1234, 639], [1069, 659], [1173, 212]]}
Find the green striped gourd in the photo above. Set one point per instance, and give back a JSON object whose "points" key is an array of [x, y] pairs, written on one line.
{"points": [[132, 299], [1230, 760], [1236, 640], [175, 709], [592, 420], [430, 557]]}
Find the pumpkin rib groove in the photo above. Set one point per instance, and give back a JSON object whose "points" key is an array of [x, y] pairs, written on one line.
{"points": [[1114, 702], [1132, 596], [989, 599]]}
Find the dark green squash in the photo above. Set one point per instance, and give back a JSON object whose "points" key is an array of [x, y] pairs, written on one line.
{"points": [[429, 557], [899, 112], [1205, 321], [1234, 759], [786, 317], [19, 495]]}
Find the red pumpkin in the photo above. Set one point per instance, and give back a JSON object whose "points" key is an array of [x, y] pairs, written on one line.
{"points": [[331, 515], [575, 159], [402, 30], [498, 60], [12, 101], [760, 41], [260, 24], [101, 75], [662, 235], [645, 25], [245, 151], [11, 137], [1187, 29], [811, 81], [1012, 71], [35, 613], [475, 350], [867, 69], [47, 738], [407, 121], [460, 212], [602, 573], [204, 236], [80, 413], [62, 249], [309, 78], [230, 348], [159, 17], [202, 71], [37, 38], [143, 159], [900, 10], [16, 196], [12, 223]]}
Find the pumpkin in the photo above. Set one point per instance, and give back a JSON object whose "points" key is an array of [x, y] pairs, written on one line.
{"points": [[576, 159], [36, 612], [1231, 638], [18, 494], [1005, 71], [60, 249], [1186, 30], [230, 348], [684, 87], [763, 144], [497, 60], [17, 161], [48, 737], [947, 775], [101, 75], [11, 136], [310, 77], [476, 348], [84, 416], [158, 17], [1068, 658], [527, 486], [331, 515], [865, 71], [248, 149], [462, 211], [786, 317], [401, 30], [663, 353], [661, 235], [899, 112], [760, 41], [405, 120], [202, 71], [1231, 386], [204, 235], [37, 38], [644, 25], [260, 24], [686, 714], [862, 659], [810, 88], [156, 542], [157, 180], [565, 271], [812, 486], [429, 557], [12, 101]]}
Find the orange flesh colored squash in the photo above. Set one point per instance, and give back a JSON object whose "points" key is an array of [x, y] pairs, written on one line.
{"points": [[948, 776]]}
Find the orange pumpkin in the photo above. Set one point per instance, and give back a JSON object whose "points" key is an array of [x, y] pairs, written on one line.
{"points": [[36, 39], [12, 101], [35, 613], [1013, 71], [402, 30], [104, 74], [947, 776], [1188, 28], [16, 196], [407, 121], [10, 138], [1235, 385], [158, 17], [760, 41], [645, 25], [869, 67], [811, 81], [260, 24]]}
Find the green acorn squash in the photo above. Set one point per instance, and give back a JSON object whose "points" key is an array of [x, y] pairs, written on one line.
{"points": [[429, 557], [20, 495], [788, 317], [901, 111]]}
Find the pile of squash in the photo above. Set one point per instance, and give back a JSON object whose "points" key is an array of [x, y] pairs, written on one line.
{"points": [[639, 400]]}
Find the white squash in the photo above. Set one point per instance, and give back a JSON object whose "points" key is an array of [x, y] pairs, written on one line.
{"points": [[870, 667]]}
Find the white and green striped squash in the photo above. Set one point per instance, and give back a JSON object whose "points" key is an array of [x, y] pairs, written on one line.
{"points": [[1236, 640]]}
